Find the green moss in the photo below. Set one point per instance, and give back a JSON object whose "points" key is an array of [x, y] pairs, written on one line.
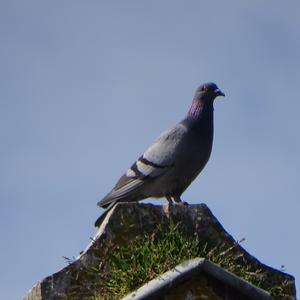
{"points": [[143, 258], [146, 257]]}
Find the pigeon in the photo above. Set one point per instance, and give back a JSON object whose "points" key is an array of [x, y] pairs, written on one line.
{"points": [[175, 158]]}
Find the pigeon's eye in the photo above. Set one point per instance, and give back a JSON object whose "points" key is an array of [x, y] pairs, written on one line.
{"points": [[204, 88]]}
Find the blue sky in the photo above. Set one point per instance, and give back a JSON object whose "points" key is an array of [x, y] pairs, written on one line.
{"points": [[85, 87]]}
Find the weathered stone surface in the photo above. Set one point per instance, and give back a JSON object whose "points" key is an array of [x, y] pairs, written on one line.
{"points": [[128, 220]]}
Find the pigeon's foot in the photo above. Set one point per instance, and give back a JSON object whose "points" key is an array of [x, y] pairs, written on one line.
{"points": [[179, 201]]}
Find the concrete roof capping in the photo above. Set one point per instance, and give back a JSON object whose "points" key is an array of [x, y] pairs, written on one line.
{"points": [[188, 269]]}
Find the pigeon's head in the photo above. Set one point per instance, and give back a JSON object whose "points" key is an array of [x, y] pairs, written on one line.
{"points": [[208, 92]]}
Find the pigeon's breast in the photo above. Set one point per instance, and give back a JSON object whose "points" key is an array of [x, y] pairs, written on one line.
{"points": [[191, 157], [193, 162]]}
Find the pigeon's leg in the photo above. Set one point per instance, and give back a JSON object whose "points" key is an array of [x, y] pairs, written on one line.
{"points": [[170, 203], [169, 198], [179, 201]]}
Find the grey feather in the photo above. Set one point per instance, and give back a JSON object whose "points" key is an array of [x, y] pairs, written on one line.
{"points": [[175, 158]]}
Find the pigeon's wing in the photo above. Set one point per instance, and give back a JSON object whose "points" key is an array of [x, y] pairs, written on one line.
{"points": [[158, 159]]}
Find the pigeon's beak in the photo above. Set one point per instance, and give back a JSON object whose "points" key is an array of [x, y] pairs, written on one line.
{"points": [[218, 92]]}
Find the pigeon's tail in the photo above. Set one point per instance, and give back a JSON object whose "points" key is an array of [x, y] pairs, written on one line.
{"points": [[120, 196], [109, 200], [102, 217], [105, 202]]}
